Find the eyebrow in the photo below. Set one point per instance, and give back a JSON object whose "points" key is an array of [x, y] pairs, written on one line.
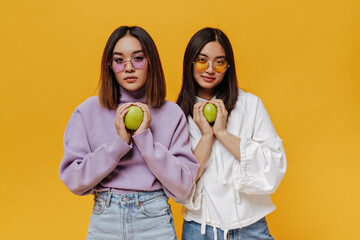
{"points": [[119, 53], [202, 54]]}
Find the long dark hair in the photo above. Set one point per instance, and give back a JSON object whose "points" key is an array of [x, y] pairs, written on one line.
{"points": [[109, 90], [226, 90]]}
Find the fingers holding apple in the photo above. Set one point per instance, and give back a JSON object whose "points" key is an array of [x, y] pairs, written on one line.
{"points": [[200, 120], [120, 124], [221, 117], [198, 115], [220, 107], [145, 123]]}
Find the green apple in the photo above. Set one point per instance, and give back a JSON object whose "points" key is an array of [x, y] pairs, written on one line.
{"points": [[210, 112], [133, 117]]}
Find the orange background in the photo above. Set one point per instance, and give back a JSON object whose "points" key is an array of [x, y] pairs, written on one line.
{"points": [[300, 57]]}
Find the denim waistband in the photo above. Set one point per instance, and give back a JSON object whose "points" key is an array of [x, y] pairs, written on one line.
{"points": [[128, 198]]}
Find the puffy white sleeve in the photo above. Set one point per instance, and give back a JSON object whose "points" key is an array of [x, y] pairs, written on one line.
{"points": [[263, 163]]}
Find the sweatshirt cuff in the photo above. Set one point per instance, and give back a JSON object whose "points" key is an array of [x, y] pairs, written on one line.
{"points": [[144, 140], [118, 148]]}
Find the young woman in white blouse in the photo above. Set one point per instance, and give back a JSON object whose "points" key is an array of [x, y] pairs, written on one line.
{"points": [[241, 157]]}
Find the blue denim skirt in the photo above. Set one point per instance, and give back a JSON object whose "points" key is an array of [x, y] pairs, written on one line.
{"points": [[256, 231], [133, 216]]}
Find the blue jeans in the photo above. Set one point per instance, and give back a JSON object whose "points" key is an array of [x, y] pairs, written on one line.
{"points": [[256, 231], [134, 216]]}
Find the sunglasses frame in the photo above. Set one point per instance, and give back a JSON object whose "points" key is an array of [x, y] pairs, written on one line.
{"points": [[213, 65], [125, 61]]}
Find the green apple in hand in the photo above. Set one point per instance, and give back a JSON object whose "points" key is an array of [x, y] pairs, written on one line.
{"points": [[133, 117], [210, 112]]}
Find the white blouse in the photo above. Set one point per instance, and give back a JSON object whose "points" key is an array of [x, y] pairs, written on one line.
{"points": [[230, 193]]}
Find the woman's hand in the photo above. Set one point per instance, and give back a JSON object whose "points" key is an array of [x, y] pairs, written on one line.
{"points": [[200, 120], [203, 149], [146, 120], [230, 142], [120, 124], [219, 127]]}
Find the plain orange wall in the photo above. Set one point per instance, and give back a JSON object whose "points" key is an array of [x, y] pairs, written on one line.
{"points": [[301, 57]]}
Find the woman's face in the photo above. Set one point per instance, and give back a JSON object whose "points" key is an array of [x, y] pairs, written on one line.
{"points": [[129, 63], [208, 79]]}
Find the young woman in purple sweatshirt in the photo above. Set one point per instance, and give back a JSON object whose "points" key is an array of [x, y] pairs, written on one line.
{"points": [[130, 172]]}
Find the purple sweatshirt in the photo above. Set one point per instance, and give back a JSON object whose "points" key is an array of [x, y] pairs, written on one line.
{"points": [[97, 159]]}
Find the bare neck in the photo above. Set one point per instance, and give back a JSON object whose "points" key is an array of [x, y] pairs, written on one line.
{"points": [[206, 94]]}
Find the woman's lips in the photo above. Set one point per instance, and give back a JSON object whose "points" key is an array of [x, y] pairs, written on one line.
{"points": [[207, 78], [130, 79]]}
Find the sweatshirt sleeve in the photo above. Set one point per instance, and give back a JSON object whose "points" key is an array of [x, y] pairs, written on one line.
{"points": [[175, 167], [263, 163], [81, 169]]}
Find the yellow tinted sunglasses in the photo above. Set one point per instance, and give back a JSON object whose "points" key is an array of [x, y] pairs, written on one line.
{"points": [[220, 66]]}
